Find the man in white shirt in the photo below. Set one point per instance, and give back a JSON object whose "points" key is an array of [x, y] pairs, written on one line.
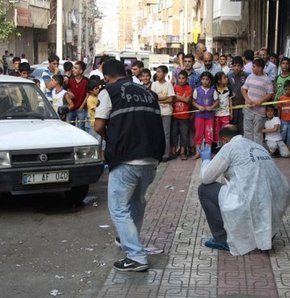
{"points": [[136, 69], [98, 71], [246, 212]]}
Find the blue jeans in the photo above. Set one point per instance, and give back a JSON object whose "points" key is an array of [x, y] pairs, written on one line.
{"points": [[285, 132], [126, 198], [77, 115]]}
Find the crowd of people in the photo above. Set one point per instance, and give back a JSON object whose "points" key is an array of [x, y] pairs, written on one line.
{"points": [[142, 119], [207, 92]]}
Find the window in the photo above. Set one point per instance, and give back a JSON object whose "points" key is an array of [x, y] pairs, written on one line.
{"points": [[40, 3]]}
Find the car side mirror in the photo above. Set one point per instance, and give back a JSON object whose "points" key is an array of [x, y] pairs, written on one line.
{"points": [[63, 110]]}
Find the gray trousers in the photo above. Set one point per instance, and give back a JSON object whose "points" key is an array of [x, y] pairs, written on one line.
{"points": [[166, 120], [253, 124], [208, 196]]}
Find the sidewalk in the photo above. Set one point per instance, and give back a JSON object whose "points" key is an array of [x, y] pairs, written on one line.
{"points": [[175, 223]]}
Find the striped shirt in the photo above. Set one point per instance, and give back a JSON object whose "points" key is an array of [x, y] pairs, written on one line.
{"points": [[258, 86]]}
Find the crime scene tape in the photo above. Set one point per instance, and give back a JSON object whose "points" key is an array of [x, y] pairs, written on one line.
{"points": [[195, 111]]}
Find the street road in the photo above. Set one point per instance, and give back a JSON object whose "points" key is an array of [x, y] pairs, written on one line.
{"points": [[47, 247]]}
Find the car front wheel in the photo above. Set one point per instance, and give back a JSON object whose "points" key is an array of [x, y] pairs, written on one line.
{"points": [[77, 194]]}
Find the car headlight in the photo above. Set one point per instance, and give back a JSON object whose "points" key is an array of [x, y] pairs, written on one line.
{"points": [[86, 154], [5, 160]]}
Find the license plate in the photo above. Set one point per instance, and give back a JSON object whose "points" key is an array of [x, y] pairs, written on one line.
{"points": [[45, 177]]}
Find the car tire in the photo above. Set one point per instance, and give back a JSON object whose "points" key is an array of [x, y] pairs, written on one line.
{"points": [[77, 194]]}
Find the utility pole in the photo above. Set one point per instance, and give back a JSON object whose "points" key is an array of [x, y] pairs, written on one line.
{"points": [[80, 30], [59, 29], [209, 19], [87, 7], [185, 38]]}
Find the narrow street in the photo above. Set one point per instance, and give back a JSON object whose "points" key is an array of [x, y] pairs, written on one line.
{"points": [[49, 249]]}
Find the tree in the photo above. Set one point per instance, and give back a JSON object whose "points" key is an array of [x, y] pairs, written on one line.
{"points": [[6, 27]]}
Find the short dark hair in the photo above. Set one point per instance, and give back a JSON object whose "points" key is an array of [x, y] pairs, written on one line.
{"points": [[104, 58], [206, 74], [24, 66], [93, 82], [271, 107], [16, 59], [67, 66], [229, 131], [82, 65], [223, 55], [58, 78], [259, 62], [249, 55], [138, 63], [286, 84], [183, 73], [53, 57], [285, 59], [274, 55], [218, 76], [237, 60], [189, 56], [180, 53], [36, 81], [114, 68], [146, 71], [163, 68]]}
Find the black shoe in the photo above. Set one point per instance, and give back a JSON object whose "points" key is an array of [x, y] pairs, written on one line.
{"points": [[130, 265], [212, 243], [118, 242], [164, 159]]}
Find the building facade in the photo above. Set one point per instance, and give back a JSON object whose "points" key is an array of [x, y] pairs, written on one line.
{"points": [[225, 26], [35, 35]]}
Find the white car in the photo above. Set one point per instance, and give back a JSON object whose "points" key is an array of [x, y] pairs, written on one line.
{"points": [[39, 152]]}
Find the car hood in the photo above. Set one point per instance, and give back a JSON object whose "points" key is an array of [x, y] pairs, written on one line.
{"points": [[35, 134]]}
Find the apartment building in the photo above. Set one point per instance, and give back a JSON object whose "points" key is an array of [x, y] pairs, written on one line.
{"points": [[31, 18], [36, 22], [225, 26]]}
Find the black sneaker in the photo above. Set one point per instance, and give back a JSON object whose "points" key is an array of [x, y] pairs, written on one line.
{"points": [[130, 265], [118, 242]]}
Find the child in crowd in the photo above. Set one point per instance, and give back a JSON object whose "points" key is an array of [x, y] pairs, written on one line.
{"points": [[165, 94], [222, 113], [205, 99], [284, 111], [237, 78], [95, 85], [179, 66], [282, 77], [24, 69], [67, 67], [60, 96], [272, 133], [257, 89], [180, 119], [146, 78]]}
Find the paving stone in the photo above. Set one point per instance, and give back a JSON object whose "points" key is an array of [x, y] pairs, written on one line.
{"points": [[175, 222]]}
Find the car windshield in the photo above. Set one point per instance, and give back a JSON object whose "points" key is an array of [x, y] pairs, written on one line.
{"points": [[24, 101]]}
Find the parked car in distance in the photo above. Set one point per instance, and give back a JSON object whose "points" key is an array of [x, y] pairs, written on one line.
{"points": [[39, 152]]}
